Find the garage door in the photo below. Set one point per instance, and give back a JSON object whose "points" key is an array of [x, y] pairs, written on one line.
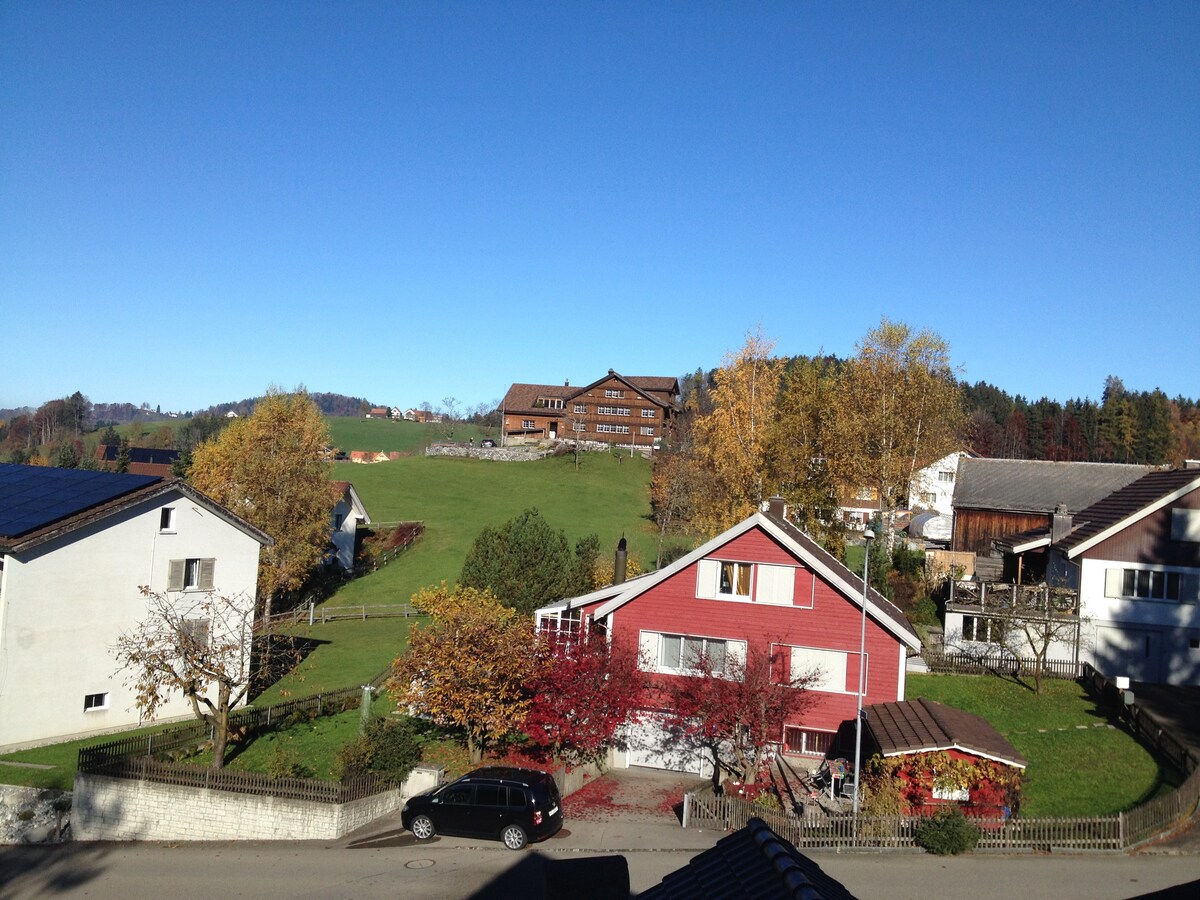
{"points": [[1136, 652], [652, 744]]}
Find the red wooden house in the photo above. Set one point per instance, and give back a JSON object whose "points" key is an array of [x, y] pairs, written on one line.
{"points": [[763, 583]]}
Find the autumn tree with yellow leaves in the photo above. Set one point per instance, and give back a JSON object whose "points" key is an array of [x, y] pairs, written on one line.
{"points": [[467, 668], [270, 469], [897, 408], [732, 439]]}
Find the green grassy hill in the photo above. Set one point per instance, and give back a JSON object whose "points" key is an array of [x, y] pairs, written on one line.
{"points": [[352, 433], [457, 498]]}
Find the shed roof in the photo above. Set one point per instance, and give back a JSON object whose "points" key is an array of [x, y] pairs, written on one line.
{"points": [[1037, 486], [922, 726]]}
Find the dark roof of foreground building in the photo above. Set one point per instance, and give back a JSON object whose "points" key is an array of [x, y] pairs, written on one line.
{"points": [[1123, 507], [753, 862], [1038, 486], [923, 726]]}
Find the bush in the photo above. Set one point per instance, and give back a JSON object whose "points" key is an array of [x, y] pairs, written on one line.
{"points": [[947, 833], [389, 749], [284, 762]]}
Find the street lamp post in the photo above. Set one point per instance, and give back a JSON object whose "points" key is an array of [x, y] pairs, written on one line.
{"points": [[868, 533]]}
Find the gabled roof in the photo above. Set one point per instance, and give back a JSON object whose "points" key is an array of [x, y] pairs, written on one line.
{"points": [[753, 862], [924, 726], [639, 385], [792, 539], [1126, 506], [344, 490], [522, 397], [1037, 486], [74, 498]]}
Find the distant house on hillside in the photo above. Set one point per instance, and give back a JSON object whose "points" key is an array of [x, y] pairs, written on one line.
{"points": [[142, 460], [628, 411]]}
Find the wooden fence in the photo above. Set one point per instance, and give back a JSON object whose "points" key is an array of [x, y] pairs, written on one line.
{"points": [[313, 615], [1145, 822], [702, 809], [959, 663]]}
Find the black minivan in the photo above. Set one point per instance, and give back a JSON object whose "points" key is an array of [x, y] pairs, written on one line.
{"points": [[496, 802]]}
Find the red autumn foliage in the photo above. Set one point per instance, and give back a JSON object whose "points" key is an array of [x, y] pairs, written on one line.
{"points": [[739, 706], [583, 692]]}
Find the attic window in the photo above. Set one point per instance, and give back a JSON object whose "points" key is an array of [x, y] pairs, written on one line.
{"points": [[166, 519]]}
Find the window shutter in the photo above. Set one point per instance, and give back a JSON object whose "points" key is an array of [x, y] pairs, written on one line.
{"points": [[207, 567], [708, 576], [776, 584], [648, 651], [1112, 582], [1189, 588], [735, 658], [175, 575]]}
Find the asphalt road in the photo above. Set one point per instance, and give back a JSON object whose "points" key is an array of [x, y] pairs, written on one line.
{"points": [[446, 868]]}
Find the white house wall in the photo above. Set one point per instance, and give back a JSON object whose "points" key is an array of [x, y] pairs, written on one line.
{"points": [[927, 481], [1148, 640], [64, 603]]}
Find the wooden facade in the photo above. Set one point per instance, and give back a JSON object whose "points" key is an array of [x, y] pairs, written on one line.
{"points": [[821, 620], [975, 529], [628, 412]]}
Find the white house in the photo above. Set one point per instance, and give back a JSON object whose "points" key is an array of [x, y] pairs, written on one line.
{"points": [[932, 488], [75, 547], [348, 512], [1133, 561]]}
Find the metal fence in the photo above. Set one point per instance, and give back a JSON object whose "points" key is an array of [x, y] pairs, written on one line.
{"points": [[112, 757]]}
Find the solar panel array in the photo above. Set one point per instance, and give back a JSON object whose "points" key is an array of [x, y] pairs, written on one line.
{"points": [[32, 497]]}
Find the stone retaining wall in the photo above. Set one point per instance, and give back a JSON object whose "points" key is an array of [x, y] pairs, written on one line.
{"points": [[499, 454], [125, 809]]}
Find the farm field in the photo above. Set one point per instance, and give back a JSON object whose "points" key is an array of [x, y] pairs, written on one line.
{"points": [[352, 433], [1079, 763], [457, 498]]}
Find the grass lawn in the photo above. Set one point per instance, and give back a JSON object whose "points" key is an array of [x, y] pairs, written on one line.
{"points": [[347, 653], [352, 433], [457, 498], [1078, 764]]}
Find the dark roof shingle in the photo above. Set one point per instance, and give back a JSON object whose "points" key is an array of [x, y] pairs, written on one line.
{"points": [[913, 726], [1127, 502]]}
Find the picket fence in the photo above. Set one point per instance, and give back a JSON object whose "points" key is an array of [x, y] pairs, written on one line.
{"points": [[1122, 831]]}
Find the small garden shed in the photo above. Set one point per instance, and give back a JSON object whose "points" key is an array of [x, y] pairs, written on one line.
{"points": [[938, 755]]}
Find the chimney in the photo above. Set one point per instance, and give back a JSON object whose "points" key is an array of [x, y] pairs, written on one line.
{"points": [[566, 382], [1191, 463], [620, 563], [1060, 525], [777, 507]]}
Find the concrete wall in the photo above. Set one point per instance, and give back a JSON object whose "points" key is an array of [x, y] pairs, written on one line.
{"points": [[125, 809], [64, 603]]}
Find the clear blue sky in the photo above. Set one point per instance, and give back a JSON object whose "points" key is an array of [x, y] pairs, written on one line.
{"points": [[412, 201]]}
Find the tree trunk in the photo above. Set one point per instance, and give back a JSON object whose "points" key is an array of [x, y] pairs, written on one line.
{"points": [[219, 720]]}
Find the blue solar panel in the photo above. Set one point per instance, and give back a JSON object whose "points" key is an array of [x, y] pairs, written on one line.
{"points": [[32, 497]]}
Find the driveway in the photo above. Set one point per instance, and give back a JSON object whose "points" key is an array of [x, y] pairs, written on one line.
{"points": [[633, 795]]}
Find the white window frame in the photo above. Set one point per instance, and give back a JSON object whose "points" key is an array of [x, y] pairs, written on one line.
{"points": [[581, 407], [649, 413], [1150, 584], [166, 520], [769, 584], [612, 410], [654, 645], [614, 393], [1185, 525], [528, 423], [826, 737], [610, 428], [191, 574], [95, 702], [578, 426], [945, 475]]}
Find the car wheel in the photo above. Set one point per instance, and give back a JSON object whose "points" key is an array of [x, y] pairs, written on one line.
{"points": [[422, 828], [514, 837]]}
